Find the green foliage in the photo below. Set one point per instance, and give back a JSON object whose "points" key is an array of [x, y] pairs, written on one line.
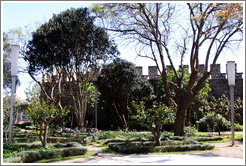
{"points": [[158, 115], [119, 84], [10, 150], [91, 95], [222, 106], [69, 38], [200, 98], [213, 122], [153, 118], [190, 130], [42, 112], [238, 127]]}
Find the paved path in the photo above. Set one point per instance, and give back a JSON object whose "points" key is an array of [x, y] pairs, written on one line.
{"points": [[167, 159], [226, 155]]}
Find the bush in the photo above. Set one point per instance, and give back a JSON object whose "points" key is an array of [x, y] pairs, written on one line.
{"points": [[213, 138], [10, 150], [213, 122], [133, 148], [29, 156], [190, 131], [114, 140], [12, 160], [73, 151], [238, 127]]}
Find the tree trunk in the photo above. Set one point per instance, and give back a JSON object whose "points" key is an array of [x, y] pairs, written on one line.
{"points": [[183, 105], [158, 136], [80, 112]]}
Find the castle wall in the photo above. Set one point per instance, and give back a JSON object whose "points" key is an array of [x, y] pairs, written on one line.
{"points": [[107, 118], [218, 81]]}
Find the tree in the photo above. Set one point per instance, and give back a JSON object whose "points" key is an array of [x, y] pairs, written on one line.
{"points": [[42, 113], [18, 108], [200, 99], [153, 118], [203, 29], [119, 84], [74, 47], [213, 121]]}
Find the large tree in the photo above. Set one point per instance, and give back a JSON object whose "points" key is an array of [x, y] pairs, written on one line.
{"points": [[119, 84], [199, 30], [73, 46]]}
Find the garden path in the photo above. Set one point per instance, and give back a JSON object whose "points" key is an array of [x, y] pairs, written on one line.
{"points": [[224, 150]]}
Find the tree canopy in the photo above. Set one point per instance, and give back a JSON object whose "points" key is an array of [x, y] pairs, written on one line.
{"points": [[72, 45], [163, 33], [119, 84]]}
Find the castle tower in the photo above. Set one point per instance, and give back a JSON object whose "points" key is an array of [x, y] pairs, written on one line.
{"points": [[201, 69], [216, 74], [140, 71]]}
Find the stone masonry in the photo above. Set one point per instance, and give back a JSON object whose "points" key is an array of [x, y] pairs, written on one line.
{"points": [[218, 81]]}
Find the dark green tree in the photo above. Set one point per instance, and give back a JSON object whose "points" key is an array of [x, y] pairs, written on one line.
{"points": [[119, 84], [73, 46]]}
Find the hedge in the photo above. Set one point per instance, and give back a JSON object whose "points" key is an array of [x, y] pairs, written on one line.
{"points": [[139, 145], [130, 149], [69, 149]]}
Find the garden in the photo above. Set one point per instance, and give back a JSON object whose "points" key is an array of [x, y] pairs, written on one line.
{"points": [[72, 143], [86, 95]]}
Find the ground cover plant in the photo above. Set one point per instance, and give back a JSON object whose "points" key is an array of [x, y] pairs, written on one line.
{"points": [[27, 153]]}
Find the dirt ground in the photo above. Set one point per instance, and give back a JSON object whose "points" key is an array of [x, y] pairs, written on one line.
{"points": [[224, 150]]}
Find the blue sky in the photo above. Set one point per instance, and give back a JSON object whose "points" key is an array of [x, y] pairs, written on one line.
{"points": [[20, 14], [16, 14]]}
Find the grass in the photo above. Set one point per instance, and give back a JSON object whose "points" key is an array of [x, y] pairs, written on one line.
{"points": [[88, 154]]}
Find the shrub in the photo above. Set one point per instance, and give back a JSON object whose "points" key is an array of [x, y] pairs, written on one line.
{"points": [[214, 138], [213, 122], [132, 148], [12, 160], [73, 151], [29, 156], [107, 141], [238, 127], [190, 131], [70, 149]]}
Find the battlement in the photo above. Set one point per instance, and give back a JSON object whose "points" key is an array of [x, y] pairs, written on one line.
{"points": [[152, 73], [216, 74]]}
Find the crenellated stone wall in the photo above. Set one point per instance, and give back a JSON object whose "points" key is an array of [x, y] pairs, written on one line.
{"points": [[218, 81], [107, 118]]}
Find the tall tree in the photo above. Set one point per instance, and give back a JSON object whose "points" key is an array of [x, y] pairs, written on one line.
{"points": [[208, 27], [73, 46], [119, 84]]}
